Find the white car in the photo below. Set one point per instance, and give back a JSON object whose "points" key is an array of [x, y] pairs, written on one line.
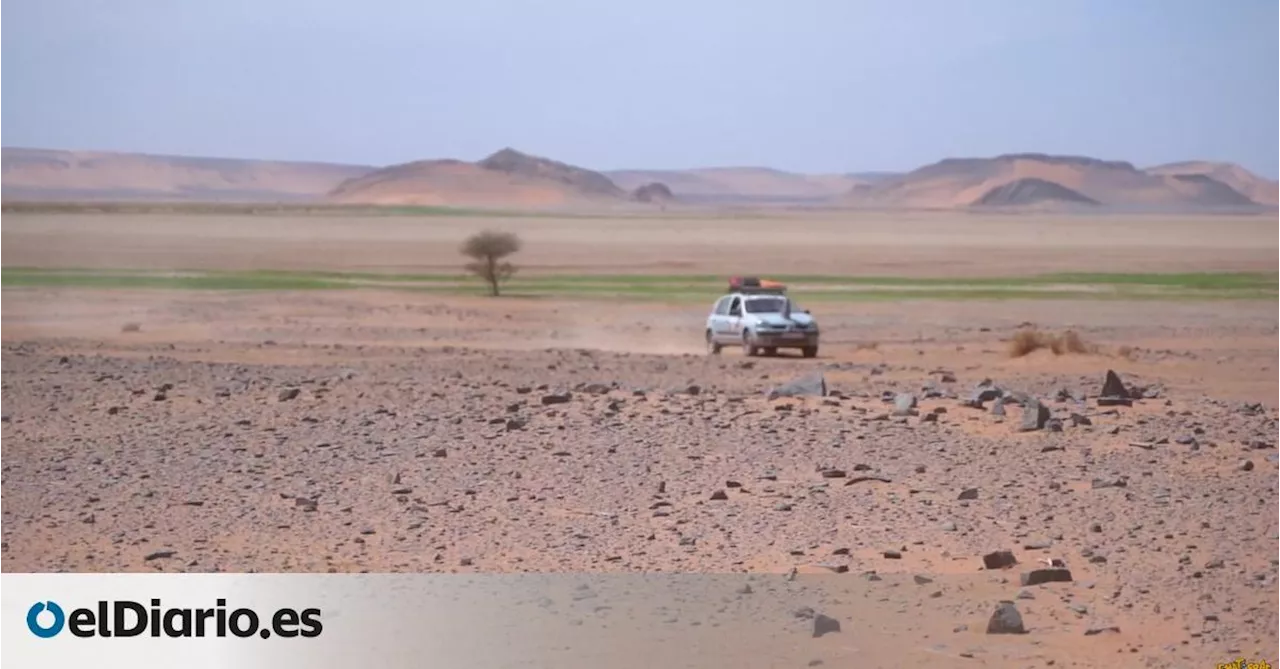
{"points": [[760, 317]]}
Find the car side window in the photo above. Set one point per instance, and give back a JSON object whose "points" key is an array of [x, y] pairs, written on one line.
{"points": [[722, 307], [735, 307]]}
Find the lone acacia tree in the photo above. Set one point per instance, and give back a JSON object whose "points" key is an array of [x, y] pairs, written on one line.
{"points": [[487, 250]]}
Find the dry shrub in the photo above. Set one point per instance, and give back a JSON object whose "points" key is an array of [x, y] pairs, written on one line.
{"points": [[1025, 341], [1028, 340], [1069, 342]]}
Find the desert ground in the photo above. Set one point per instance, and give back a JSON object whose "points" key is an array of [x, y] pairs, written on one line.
{"points": [[391, 428]]}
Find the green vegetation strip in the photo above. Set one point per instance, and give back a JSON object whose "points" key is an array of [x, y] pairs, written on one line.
{"points": [[1187, 286]]}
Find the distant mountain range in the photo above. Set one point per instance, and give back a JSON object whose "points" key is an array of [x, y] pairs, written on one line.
{"points": [[511, 179]]}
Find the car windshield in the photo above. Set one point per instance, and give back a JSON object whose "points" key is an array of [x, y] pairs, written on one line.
{"points": [[766, 305]]}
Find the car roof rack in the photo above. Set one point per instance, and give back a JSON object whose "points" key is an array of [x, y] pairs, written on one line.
{"points": [[750, 285]]}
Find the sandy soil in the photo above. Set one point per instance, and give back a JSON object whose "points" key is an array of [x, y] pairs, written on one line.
{"points": [[353, 431], [843, 244]]}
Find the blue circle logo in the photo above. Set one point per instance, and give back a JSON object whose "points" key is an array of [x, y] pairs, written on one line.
{"points": [[33, 619]]}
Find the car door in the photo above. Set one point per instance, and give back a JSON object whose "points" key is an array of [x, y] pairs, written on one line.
{"points": [[735, 318], [715, 320]]}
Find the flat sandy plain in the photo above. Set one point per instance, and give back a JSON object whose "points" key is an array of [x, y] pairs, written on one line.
{"points": [[407, 424]]}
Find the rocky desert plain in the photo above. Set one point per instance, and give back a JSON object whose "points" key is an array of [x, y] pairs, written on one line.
{"points": [[319, 388]]}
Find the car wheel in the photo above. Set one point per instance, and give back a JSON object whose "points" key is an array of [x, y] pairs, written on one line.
{"points": [[810, 351], [712, 347], [748, 344]]}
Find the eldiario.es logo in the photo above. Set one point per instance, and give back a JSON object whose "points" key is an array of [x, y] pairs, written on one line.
{"points": [[124, 618]]}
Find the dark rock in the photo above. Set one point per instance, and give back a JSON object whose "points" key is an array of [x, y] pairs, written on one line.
{"points": [[1006, 620], [999, 560], [594, 389], [921, 580], [1034, 415], [893, 555], [968, 493], [871, 477], [1120, 482], [288, 394], [1053, 575], [719, 496], [1245, 465], [824, 625], [1078, 420], [833, 473], [1100, 629], [440, 453], [159, 555], [556, 398], [1114, 387], [985, 391]]}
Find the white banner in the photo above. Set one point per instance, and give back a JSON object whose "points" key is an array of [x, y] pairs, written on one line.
{"points": [[390, 621]]}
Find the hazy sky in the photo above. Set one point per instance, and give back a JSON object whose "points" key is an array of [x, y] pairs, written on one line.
{"points": [[810, 85]]}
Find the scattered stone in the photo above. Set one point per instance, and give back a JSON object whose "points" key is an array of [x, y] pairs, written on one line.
{"points": [[159, 555], [1051, 575], [288, 394], [1101, 629], [1006, 620], [1034, 415], [833, 473], [893, 555], [871, 477], [1245, 465], [1113, 387], [556, 398], [921, 580], [904, 405], [968, 493], [999, 560], [812, 385], [985, 391], [131, 327], [440, 453], [824, 625], [719, 496]]}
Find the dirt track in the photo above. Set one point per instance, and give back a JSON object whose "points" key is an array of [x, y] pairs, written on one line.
{"points": [[419, 439]]}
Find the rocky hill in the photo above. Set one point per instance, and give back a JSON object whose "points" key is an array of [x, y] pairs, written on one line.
{"points": [[1032, 192], [506, 178], [39, 174], [1010, 180], [742, 185], [1252, 186]]}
